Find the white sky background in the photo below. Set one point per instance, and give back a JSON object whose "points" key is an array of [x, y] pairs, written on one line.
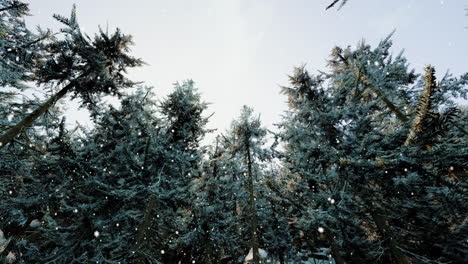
{"points": [[240, 51]]}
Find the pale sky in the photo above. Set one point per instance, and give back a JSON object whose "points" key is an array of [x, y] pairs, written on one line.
{"points": [[241, 51]]}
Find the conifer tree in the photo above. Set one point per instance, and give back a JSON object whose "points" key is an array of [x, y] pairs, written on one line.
{"points": [[78, 64], [216, 220], [20, 48], [26, 193], [170, 209], [95, 214], [274, 215], [346, 133], [246, 140]]}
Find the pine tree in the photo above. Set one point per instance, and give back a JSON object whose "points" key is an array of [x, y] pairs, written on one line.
{"points": [[274, 215], [346, 133], [97, 215], [85, 67], [170, 209], [246, 140], [216, 221], [25, 197], [20, 49]]}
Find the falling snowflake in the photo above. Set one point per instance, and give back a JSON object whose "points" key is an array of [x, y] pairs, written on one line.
{"points": [[96, 233], [321, 230], [11, 257]]}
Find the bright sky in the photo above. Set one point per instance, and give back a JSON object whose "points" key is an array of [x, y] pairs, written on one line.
{"points": [[241, 51]]}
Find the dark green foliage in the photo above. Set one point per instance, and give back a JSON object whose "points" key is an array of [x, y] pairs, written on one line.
{"points": [[370, 167], [93, 66], [171, 228], [369, 194], [87, 68], [20, 49], [216, 215]]}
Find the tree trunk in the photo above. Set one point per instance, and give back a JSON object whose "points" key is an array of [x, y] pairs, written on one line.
{"points": [[384, 229], [145, 224], [29, 120], [208, 256], [253, 213], [335, 252], [334, 247]]}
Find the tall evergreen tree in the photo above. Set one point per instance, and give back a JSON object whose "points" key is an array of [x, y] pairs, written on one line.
{"points": [[246, 139], [93, 213], [216, 221], [346, 133], [76, 63], [170, 211], [25, 193], [20, 48]]}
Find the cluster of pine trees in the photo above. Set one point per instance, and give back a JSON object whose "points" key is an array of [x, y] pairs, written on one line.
{"points": [[368, 165]]}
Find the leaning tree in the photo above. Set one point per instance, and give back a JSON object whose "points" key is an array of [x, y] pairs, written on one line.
{"points": [[88, 68]]}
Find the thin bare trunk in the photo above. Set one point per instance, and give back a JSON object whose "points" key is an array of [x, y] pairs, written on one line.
{"points": [[145, 224], [384, 229], [29, 120], [253, 213], [335, 252]]}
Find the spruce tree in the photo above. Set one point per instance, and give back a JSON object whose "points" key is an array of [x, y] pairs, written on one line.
{"points": [[20, 49], [88, 68], [346, 132], [26, 192], [246, 143], [105, 195], [216, 222], [170, 211]]}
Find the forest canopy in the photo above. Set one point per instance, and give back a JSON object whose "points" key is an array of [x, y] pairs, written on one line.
{"points": [[368, 164]]}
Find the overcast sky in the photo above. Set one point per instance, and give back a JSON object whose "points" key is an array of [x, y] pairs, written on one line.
{"points": [[241, 51]]}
